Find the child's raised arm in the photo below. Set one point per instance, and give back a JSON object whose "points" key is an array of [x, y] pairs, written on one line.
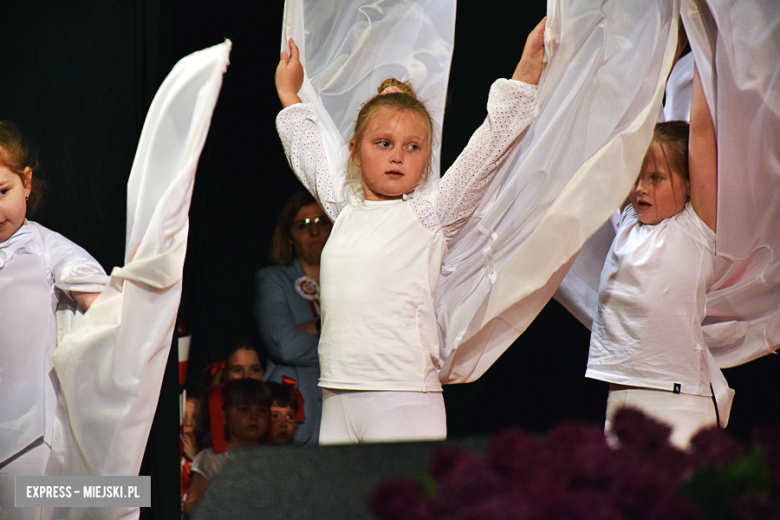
{"points": [[529, 69], [289, 76], [702, 157]]}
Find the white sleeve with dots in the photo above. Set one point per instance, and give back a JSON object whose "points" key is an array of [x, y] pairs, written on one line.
{"points": [[511, 108], [305, 149]]}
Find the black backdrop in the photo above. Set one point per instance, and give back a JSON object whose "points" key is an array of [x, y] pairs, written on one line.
{"points": [[78, 77]]}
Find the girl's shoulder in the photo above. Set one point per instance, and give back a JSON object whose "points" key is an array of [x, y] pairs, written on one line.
{"points": [[694, 225], [207, 457], [55, 243], [48, 236], [686, 225], [207, 462], [62, 256]]}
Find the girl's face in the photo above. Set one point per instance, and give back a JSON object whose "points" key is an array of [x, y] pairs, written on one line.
{"points": [[393, 154], [13, 200], [659, 192], [244, 363], [247, 423], [283, 424], [310, 230]]}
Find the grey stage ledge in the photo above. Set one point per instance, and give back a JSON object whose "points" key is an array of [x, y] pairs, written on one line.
{"points": [[322, 483]]}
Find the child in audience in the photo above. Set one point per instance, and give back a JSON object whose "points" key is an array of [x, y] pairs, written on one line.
{"points": [[246, 416], [244, 359], [284, 413]]}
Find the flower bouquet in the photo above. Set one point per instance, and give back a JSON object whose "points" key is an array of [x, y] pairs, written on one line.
{"points": [[573, 474]]}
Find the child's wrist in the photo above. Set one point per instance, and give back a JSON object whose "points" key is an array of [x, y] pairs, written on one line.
{"points": [[288, 99], [528, 74]]}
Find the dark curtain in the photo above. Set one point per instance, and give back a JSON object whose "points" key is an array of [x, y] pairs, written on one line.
{"points": [[78, 79]]}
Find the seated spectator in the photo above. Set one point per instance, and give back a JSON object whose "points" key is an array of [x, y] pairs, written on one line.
{"points": [[287, 305], [191, 436], [284, 412], [246, 416], [244, 360]]}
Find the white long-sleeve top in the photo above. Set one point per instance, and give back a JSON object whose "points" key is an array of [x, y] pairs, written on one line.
{"points": [[380, 267], [652, 294], [37, 266]]}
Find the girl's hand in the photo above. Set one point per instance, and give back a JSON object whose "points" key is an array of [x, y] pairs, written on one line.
{"points": [[529, 69], [289, 76]]}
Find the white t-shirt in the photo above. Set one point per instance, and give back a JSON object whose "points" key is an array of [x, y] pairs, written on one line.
{"points": [[380, 267], [647, 330], [208, 463], [37, 266]]}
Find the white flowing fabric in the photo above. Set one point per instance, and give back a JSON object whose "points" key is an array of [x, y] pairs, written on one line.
{"points": [[599, 98], [736, 46], [111, 363], [579, 290], [737, 50]]}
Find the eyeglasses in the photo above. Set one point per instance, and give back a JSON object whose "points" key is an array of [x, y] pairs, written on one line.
{"points": [[308, 224]]}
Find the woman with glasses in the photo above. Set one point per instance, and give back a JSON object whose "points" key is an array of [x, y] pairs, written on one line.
{"points": [[287, 306]]}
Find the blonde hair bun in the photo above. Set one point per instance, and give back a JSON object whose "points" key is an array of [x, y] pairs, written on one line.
{"points": [[392, 83]]}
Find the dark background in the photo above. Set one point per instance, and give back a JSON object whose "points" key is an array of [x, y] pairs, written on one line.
{"points": [[78, 77]]}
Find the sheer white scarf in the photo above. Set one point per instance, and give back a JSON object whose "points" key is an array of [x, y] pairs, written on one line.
{"points": [[110, 364]]}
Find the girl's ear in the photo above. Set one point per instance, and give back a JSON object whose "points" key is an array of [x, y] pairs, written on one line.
{"points": [[354, 155], [27, 180]]}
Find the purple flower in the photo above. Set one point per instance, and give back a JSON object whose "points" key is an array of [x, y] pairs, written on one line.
{"points": [[446, 459], [637, 492], [400, 499], [513, 454], [769, 438], [674, 508], [464, 479], [580, 454], [505, 506], [590, 504], [573, 474], [635, 429], [714, 446], [754, 507]]}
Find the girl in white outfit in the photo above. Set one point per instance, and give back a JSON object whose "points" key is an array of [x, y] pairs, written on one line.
{"points": [[38, 269], [647, 339], [379, 345]]}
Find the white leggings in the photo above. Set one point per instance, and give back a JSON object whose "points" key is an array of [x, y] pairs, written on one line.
{"points": [[351, 417], [32, 461], [685, 413]]}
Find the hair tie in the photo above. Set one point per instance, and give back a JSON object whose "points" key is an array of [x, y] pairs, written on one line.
{"points": [[391, 90]]}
